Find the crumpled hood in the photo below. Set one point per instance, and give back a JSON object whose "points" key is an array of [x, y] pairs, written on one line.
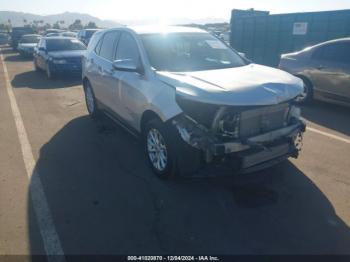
{"points": [[67, 54], [242, 86]]}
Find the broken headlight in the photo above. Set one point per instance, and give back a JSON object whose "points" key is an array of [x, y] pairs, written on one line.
{"points": [[229, 125], [226, 123]]}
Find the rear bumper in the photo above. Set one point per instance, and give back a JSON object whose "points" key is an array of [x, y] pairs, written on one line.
{"points": [[26, 52]]}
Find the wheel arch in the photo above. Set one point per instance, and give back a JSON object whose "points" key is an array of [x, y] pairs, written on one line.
{"points": [[305, 79], [147, 116]]}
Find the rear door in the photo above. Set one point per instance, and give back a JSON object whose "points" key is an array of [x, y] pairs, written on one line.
{"points": [[331, 70]]}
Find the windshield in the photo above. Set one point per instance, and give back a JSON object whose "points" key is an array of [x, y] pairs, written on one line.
{"points": [[89, 33], [30, 39], [181, 52], [64, 45]]}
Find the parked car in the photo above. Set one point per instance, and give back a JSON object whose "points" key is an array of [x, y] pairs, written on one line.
{"points": [[4, 38], [53, 31], [65, 33], [17, 33], [325, 70], [27, 44], [57, 55], [69, 34], [86, 34], [192, 99]]}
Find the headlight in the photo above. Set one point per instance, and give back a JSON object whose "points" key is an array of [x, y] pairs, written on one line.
{"points": [[229, 125], [59, 61], [294, 112]]}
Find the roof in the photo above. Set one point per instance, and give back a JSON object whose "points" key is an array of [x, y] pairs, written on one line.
{"points": [[60, 37], [91, 29], [165, 29], [159, 29], [29, 35], [329, 42]]}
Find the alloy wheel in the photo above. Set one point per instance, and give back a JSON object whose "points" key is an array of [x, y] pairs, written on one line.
{"points": [[156, 149]]}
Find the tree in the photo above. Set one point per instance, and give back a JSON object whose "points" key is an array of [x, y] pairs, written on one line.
{"points": [[77, 25], [47, 26], [91, 25], [56, 25], [5, 27]]}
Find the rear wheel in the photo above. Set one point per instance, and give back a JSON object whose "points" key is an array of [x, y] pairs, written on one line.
{"points": [[90, 100]]}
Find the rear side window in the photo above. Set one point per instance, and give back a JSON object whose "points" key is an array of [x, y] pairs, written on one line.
{"points": [[108, 45], [127, 48], [335, 52]]}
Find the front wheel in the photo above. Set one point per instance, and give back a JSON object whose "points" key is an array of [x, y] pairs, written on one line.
{"points": [[159, 149], [167, 153], [36, 67], [49, 73]]}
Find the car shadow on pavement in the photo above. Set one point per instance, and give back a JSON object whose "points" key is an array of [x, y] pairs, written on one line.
{"points": [[331, 116], [38, 80], [18, 58], [104, 199]]}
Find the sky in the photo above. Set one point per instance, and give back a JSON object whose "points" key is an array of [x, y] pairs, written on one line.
{"points": [[119, 10]]}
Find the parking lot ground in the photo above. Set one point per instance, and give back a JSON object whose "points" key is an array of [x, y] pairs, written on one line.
{"points": [[103, 198]]}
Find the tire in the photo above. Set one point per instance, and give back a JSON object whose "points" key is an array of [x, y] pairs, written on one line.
{"points": [[181, 159], [307, 95], [37, 69], [90, 101], [49, 73]]}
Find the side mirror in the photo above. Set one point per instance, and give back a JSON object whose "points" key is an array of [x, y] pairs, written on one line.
{"points": [[127, 65], [42, 49]]}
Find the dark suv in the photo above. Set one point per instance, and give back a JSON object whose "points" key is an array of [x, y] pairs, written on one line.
{"points": [[17, 33], [86, 34]]}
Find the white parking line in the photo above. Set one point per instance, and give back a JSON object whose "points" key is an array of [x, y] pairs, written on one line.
{"points": [[47, 228], [329, 135]]}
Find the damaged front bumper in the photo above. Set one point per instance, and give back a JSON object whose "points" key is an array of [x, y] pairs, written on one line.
{"points": [[249, 154]]}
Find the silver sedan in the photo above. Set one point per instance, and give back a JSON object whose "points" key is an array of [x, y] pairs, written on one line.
{"points": [[325, 70]]}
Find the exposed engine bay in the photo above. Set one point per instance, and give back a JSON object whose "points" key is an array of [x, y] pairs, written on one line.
{"points": [[260, 133]]}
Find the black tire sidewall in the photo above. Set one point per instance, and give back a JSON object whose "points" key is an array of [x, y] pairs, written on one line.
{"points": [[95, 113], [36, 65], [49, 73]]}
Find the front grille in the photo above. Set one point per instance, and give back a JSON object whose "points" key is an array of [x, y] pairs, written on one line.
{"points": [[263, 119], [75, 60]]}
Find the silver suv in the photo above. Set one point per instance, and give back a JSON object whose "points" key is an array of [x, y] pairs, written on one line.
{"points": [[193, 99]]}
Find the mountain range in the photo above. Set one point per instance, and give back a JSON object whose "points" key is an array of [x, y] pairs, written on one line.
{"points": [[17, 19]]}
